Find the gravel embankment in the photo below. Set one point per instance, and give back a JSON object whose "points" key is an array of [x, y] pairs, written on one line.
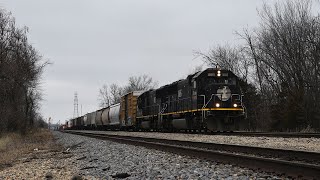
{"points": [[303, 144], [97, 159]]}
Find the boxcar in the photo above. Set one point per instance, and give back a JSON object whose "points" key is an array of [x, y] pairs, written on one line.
{"points": [[128, 108]]}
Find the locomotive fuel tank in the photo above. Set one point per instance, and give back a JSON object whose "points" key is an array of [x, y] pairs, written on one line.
{"points": [[179, 123], [145, 124]]}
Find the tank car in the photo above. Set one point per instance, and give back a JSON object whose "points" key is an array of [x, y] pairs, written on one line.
{"points": [[105, 117], [78, 122], [207, 100], [98, 119]]}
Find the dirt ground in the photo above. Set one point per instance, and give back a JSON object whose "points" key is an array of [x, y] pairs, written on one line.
{"points": [[34, 156], [15, 146]]}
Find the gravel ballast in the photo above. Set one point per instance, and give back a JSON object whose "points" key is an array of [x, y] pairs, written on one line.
{"points": [[98, 159], [303, 144]]}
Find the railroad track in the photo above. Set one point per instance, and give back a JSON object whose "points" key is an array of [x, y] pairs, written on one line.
{"points": [[270, 134], [298, 164], [250, 134], [257, 134]]}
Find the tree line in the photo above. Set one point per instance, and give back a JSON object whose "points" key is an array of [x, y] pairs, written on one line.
{"points": [[109, 95], [21, 67], [279, 67]]}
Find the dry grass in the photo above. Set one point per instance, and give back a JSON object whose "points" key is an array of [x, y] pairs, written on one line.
{"points": [[4, 141], [14, 146]]}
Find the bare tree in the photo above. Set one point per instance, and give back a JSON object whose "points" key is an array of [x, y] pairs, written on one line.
{"points": [[115, 92], [104, 97], [194, 70], [139, 83], [227, 57], [112, 95], [21, 67], [287, 58], [283, 56]]}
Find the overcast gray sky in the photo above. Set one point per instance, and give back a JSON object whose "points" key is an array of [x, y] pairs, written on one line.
{"points": [[96, 42]]}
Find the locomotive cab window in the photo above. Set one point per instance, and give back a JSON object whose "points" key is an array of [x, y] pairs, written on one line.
{"points": [[222, 80]]}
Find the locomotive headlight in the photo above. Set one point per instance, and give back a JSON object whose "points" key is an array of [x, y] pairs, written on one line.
{"points": [[217, 105], [235, 105], [218, 73]]}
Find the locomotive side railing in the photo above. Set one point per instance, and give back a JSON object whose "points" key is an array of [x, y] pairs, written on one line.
{"points": [[164, 108], [187, 104]]}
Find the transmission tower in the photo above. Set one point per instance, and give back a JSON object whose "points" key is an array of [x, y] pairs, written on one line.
{"points": [[75, 108]]}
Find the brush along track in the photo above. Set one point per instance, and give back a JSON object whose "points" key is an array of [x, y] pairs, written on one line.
{"points": [[292, 163]]}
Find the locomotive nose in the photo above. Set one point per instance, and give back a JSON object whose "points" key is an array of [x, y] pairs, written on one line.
{"points": [[224, 93]]}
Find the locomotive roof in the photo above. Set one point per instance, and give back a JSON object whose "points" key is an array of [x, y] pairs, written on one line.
{"points": [[175, 82], [197, 74], [211, 69]]}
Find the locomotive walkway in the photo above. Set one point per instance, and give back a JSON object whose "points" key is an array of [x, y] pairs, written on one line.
{"points": [[289, 162]]}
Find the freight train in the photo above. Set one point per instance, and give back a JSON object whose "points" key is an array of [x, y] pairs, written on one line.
{"points": [[209, 100]]}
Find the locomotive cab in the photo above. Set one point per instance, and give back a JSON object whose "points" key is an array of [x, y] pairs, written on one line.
{"points": [[221, 101]]}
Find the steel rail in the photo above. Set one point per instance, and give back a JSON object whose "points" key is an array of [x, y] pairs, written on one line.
{"points": [[269, 134], [253, 134], [299, 164]]}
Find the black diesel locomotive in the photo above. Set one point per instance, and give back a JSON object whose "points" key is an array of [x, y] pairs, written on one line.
{"points": [[207, 100]]}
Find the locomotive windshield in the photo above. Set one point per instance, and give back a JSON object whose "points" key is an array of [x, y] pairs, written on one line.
{"points": [[223, 80]]}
